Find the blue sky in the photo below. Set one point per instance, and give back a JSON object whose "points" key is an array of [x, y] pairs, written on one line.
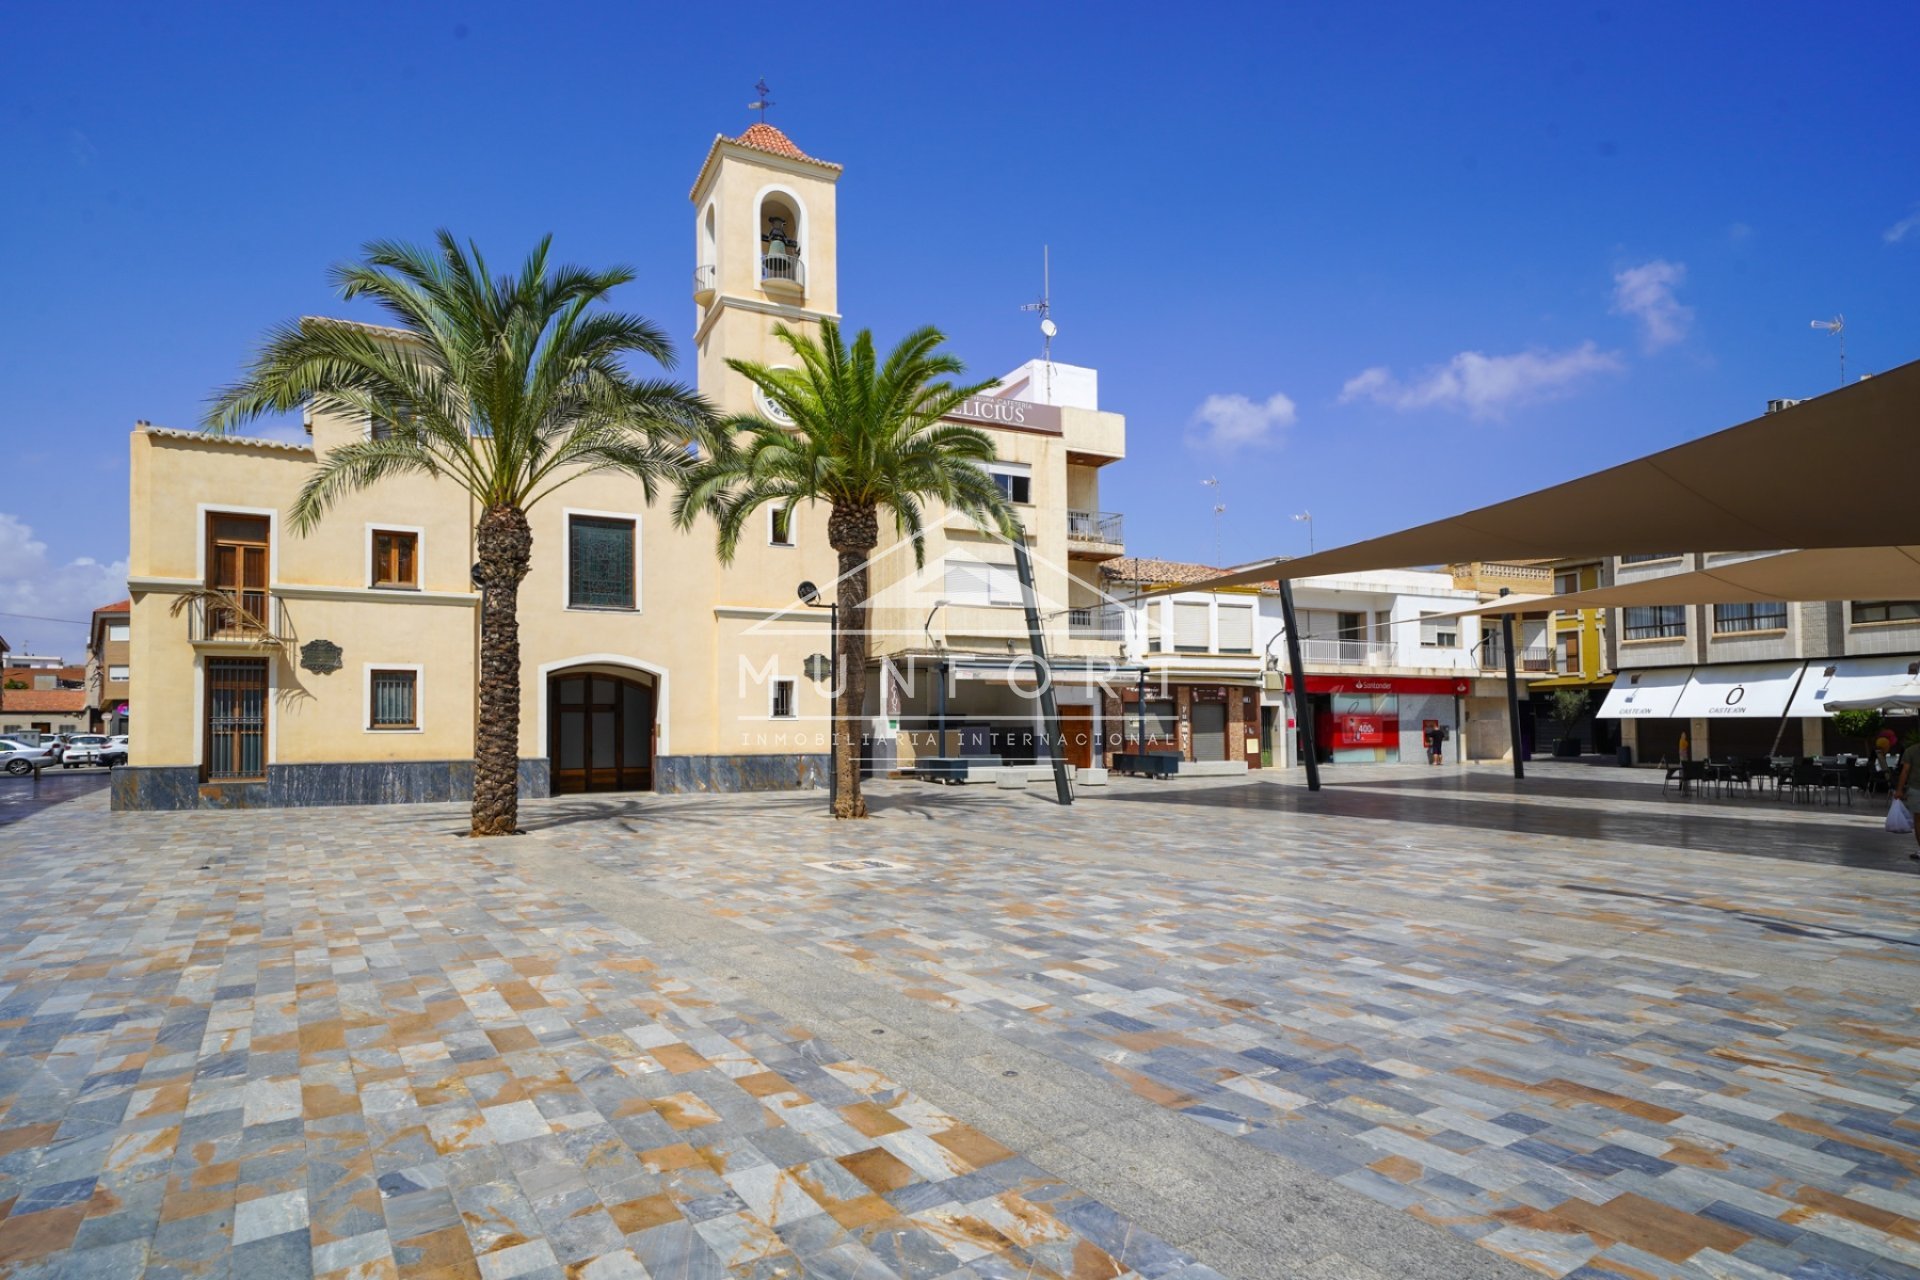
{"points": [[1378, 262]]}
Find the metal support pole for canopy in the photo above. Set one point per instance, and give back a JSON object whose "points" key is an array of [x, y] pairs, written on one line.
{"points": [[1513, 692], [1302, 719], [1049, 710]]}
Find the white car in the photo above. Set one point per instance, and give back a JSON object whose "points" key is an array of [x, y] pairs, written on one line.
{"points": [[84, 748], [19, 758], [115, 752]]}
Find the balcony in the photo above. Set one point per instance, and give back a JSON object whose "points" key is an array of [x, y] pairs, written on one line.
{"points": [[1535, 659], [239, 619], [783, 275], [705, 280], [1097, 622], [1094, 535], [1333, 652]]}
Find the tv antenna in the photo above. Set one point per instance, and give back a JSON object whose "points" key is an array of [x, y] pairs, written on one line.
{"points": [[1219, 509], [763, 102], [1048, 329], [1306, 518], [1838, 328]]}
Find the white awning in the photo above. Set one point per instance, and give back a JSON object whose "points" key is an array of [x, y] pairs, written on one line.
{"points": [[1848, 678], [1642, 695], [1735, 690]]}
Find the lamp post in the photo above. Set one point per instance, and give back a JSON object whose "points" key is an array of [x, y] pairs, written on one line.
{"points": [[810, 597], [1513, 692]]}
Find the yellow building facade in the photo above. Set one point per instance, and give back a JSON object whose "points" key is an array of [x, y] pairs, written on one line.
{"points": [[347, 676]]}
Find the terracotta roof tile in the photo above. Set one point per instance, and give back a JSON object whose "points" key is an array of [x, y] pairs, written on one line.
{"points": [[764, 137], [119, 606], [47, 701]]}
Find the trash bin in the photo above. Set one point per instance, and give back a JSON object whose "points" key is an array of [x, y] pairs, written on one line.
{"points": [[1625, 756]]}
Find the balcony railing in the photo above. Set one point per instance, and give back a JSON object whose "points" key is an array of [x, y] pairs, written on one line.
{"points": [[241, 617], [1331, 651], [1534, 659], [1097, 622], [705, 280], [1102, 527], [783, 272]]}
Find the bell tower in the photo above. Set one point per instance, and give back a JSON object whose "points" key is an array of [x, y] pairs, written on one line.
{"points": [[766, 250]]}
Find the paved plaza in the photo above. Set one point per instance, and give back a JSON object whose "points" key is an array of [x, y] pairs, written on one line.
{"points": [[1419, 1025]]}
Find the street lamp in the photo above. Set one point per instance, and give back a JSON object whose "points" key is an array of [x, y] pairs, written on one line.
{"points": [[810, 597]]}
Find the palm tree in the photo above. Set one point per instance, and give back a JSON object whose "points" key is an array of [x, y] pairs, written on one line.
{"points": [[866, 437], [508, 387]]}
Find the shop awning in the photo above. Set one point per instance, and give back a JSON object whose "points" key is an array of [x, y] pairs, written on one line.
{"points": [[1644, 695], [1742, 489], [1904, 696], [1827, 573], [1849, 680], [1739, 690]]}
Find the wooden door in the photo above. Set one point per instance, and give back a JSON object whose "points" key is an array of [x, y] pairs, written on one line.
{"points": [[599, 734], [237, 563], [1076, 736]]}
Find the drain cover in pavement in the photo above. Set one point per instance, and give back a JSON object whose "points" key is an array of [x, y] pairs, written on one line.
{"points": [[844, 865]]}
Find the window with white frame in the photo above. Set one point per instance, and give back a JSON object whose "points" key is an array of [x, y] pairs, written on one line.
{"points": [[117, 673], [1236, 628], [1015, 480], [783, 700], [119, 631], [393, 700], [1192, 625], [977, 582], [779, 527], [1439, 632]]}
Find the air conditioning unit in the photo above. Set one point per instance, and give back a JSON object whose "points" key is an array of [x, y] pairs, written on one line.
{"points": [[1775, 406]]}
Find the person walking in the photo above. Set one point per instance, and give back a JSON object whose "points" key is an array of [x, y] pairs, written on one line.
{"points": [[1686, 755], [1436, 743], [1906, 786]]}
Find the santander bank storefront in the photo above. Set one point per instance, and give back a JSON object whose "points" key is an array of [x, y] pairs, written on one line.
{"points": [[1381, 719]]}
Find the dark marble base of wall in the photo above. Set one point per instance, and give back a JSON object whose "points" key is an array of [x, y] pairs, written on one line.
{"points": [[673, 775], [290, 786]]}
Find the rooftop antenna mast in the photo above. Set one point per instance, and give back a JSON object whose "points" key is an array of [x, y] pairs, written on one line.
{"points": [[1045, 307], [1219, 509], [1838, 328], [763, 102]]}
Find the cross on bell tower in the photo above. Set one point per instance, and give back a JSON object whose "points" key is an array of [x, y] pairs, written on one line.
{"points": [[764, 101]]}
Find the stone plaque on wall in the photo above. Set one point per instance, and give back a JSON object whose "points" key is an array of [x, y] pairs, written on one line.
{"points": [[320, 656]]}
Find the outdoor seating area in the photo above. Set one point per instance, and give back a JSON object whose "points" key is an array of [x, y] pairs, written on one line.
{"points": [[1798, 779]]}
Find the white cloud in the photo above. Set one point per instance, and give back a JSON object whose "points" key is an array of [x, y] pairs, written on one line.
{"points": [[1229, 422], [1483, 385], [32, 583], [1645, 293], [1901, 229]]}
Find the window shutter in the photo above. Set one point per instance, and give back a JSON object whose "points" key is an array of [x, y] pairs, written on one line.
{"points": [[1190, 625], [967, 582], [1006, 584], [1236, 628]]}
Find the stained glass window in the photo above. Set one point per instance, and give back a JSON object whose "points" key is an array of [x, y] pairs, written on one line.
{"points": [[600, 563]]}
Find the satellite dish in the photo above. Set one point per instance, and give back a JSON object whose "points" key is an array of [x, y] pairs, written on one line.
{"points": [[1049, 329]]}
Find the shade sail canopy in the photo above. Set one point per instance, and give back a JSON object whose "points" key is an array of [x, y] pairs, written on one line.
{"points": [[1742, 489], [1739, 691], [1644, 695], [1900, 697], [1826, 573], [1840, 683]]}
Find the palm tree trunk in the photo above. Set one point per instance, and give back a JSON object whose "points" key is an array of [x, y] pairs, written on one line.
{"points": [[853, 532], [505, 546]]}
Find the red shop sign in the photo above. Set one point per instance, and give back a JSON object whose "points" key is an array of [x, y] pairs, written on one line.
{"points": [[1383, 684]]}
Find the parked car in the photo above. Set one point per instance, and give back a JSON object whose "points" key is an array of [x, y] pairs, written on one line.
{"points": [[19, 758], [115, 752], [83, 748]]}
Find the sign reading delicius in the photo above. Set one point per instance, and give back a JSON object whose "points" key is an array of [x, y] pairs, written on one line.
{"points": [[1014, 415]]}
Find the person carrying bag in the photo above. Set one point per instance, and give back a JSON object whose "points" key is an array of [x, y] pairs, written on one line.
{"points": [[1899, 814]]}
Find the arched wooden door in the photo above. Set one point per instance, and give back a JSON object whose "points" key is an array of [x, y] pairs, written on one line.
{"points": [[599, 733]]}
